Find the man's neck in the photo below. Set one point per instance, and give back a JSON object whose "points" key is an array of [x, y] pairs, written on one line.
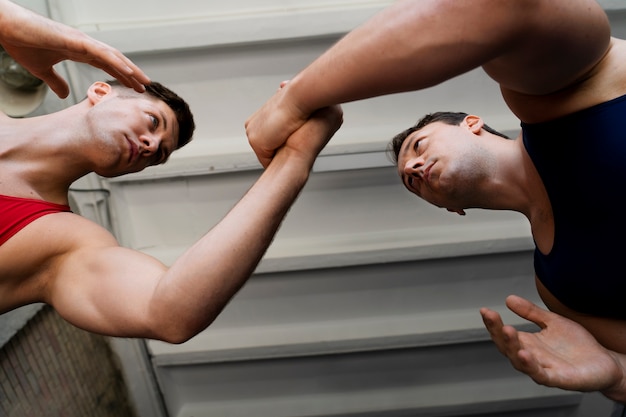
{"points": [[38, 158]]}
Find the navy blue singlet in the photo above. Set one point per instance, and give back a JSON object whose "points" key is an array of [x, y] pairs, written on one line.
{"points": [[581, 159]]}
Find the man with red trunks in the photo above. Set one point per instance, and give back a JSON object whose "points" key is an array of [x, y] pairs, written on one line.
{"points": [[54, 256]]}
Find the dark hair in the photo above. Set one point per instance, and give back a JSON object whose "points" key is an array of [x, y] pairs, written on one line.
{"points": [[447, 117], [184, 117]]}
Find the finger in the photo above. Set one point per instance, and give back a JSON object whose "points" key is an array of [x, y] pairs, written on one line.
{"points": [[491, 319], [507, 340], [493, 323], [526, 362], [137, 86], [137, 82], [56, 83], [116, 64], [136, 77], [265, 160], [511, 341], [128, 81], [528, 310], [505, 337], [521, 358]]}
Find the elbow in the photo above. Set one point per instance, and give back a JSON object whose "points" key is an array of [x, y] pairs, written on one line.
{"points": [[177, 322], [177, 332], [174, 338]]}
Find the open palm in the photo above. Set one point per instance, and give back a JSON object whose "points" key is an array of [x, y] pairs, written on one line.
{"points": [[562, 354]]}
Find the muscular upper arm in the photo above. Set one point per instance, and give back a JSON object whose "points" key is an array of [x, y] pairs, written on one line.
{"points": [[528, 46], [554, 44], [108, 290], [102, 287]]}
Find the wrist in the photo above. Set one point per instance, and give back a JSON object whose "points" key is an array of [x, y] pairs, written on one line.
{"points": [[617, 390], [616, 394], [299, 98], [293, 162]]}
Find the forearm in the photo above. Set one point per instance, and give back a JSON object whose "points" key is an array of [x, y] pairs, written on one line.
{"points": [[202, 281], [102, 287], [409, 46], [120, 292]]}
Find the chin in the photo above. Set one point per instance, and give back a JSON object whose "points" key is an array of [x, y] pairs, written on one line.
{"points": [[114, 174]]}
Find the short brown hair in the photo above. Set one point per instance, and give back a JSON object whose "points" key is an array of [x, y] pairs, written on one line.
{"points": [[447, 117], [184, 117]]}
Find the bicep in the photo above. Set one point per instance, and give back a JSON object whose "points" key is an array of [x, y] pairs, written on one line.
{"points": [[107, 290]]}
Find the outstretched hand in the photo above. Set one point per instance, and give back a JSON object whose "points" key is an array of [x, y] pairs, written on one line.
{"points": [[562, 354], [38, 43]]}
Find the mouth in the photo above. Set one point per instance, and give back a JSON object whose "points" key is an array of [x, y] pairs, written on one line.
{"points": [[132, 151], [426, 173]]}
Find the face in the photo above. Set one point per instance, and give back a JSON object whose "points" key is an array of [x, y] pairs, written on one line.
{"points": [[445, 165], [129, 133]]}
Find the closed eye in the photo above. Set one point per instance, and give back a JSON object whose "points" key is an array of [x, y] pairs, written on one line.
{"points": [[416, 145]]}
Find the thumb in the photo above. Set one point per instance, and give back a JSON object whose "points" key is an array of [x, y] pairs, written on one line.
{"points": [[528, 310], [56, 83]]}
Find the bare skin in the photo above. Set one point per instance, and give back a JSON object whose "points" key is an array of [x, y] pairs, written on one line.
{"points": [[551, 357], [539, 51], [38, 43], [497, 173], [550, 58], [79, 268]]}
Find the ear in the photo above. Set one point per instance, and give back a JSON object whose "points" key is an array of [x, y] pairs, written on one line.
{"points": [[97, 91], [460, 212], [474, 123]]}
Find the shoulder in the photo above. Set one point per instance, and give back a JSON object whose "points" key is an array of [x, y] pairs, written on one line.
{"points": [[554, 49], [64, 231], [606, 80], [29, 260]]}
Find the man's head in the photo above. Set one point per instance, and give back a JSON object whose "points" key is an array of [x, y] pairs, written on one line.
{"points": [[445, 159], [451, 118], [128, 131], [184, 117]]}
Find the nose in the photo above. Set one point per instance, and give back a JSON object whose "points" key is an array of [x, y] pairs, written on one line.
{"points": [[412, 166], [150, 144]]}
